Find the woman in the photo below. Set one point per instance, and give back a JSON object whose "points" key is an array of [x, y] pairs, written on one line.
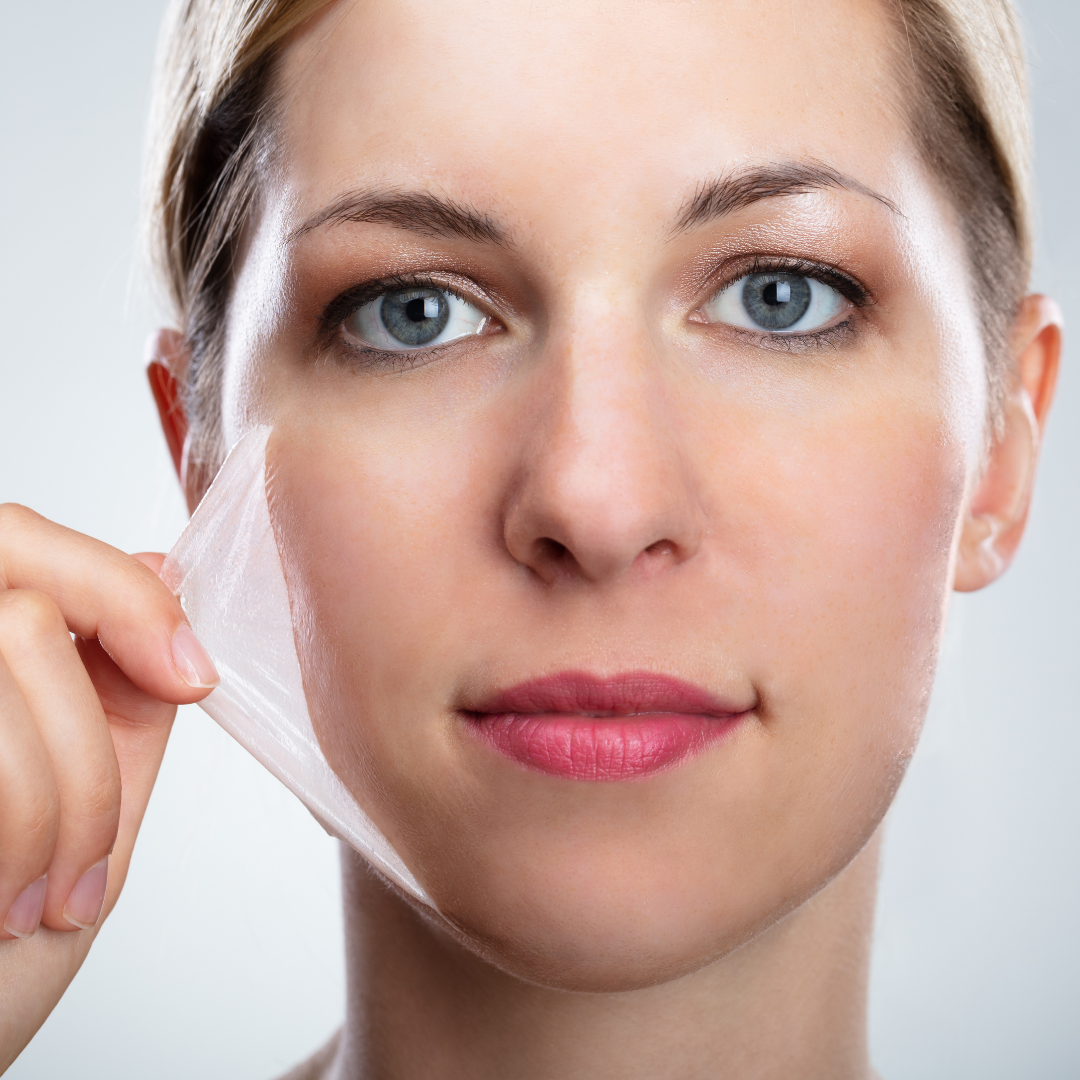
{"points": [[642, 380]]}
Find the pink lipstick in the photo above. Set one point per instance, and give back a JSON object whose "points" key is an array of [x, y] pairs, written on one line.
{"points": [[580, 727]]}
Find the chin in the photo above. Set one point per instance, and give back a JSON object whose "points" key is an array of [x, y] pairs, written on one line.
{"points": [[621, 959], [577, 928]]}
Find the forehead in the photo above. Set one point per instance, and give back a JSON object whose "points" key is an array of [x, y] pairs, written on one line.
{"points": [[588, 103]]}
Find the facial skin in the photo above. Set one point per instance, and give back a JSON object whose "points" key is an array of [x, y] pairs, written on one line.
{"points": [[605, 481]]}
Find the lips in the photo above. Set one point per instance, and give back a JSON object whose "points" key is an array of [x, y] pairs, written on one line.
{"points": [[580, 727]]}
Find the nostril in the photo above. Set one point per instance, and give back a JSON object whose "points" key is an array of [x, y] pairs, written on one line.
{"points": [[661, 547], [552, 551]]}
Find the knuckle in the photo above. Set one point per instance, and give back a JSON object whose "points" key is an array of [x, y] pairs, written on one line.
{"points": [[42, 821], [34, 614], [33, 823], [14, 520], [15, 515], [100, 797]]}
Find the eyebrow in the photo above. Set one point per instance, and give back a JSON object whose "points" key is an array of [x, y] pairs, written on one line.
{"points": [[727, 194], [418, 212], [432, 215]]}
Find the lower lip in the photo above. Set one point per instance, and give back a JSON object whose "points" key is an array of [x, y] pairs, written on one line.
{"points": [[579, 747]]}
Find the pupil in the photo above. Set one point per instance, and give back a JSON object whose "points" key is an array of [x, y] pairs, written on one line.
{"points": [[776, 301], [415, 317], [777, 292]]}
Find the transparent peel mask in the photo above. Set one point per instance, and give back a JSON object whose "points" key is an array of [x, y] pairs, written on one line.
{"points": [[227, 572]]}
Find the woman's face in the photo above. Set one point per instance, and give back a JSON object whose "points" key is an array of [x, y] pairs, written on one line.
{"points": [[627, 389]]}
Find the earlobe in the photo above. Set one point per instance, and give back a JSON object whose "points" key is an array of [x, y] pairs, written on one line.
{"points": [[167, 361], [997, 513]]}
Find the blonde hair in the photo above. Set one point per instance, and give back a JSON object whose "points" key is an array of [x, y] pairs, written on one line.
{"points": [[961, 69], [964, 90]]}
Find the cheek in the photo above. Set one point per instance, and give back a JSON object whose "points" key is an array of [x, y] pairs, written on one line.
{"points": [[857, 560], [387, 539], [843, 561]]}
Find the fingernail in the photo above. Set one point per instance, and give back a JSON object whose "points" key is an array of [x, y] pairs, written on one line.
{"points": [[24, 916], [195, 667], [83, 907]]}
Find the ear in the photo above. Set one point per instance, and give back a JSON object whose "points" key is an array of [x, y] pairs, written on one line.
{"points": [[997, 513], [167, 362]]}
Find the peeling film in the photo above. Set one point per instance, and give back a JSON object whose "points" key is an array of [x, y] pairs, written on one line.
{"points": [[227, 573]]}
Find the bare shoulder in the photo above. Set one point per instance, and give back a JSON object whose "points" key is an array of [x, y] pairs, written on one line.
{"points": [[317, 1067]]}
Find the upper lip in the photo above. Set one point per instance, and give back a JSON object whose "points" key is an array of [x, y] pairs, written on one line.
{"points": [[627, 694]]}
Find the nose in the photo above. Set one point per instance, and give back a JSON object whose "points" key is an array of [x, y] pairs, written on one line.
{"points": [[604, 488]]}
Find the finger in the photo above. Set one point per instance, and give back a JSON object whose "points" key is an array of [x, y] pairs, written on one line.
{"points": [[29, 812], [45, 665], [139, 725], [105, 594], [152, 560]]}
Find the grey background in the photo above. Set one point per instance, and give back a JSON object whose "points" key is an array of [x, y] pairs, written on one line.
{"points": [[223, 958]]}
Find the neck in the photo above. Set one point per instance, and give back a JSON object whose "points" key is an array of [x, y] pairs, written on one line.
{"points": [[790, 1003]]}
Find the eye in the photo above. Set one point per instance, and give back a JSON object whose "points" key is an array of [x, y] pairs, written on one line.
{"points": [[416, 318], [776, 302]]}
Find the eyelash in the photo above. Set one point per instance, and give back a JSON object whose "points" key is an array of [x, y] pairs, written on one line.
{"points": [[830, 337], [341, 307], [344, 305]]}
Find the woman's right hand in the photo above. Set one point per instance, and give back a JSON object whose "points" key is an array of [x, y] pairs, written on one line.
{"points": [[83, 726]]}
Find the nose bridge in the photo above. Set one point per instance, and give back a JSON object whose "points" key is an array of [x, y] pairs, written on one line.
{"points": [[607, 413], [604, 486]]}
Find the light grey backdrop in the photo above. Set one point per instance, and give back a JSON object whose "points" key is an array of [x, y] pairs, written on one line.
{"points": [[223, 958]]}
